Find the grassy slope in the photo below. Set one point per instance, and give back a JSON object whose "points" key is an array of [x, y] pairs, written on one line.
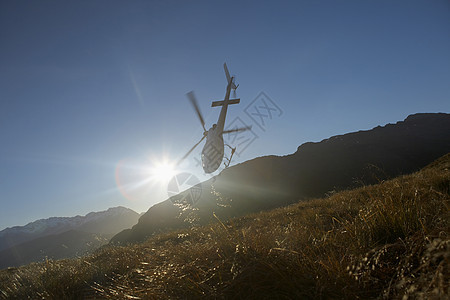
{"points": [[387, 240]]}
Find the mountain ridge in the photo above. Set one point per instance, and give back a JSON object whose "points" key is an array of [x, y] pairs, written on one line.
{"points": [[315, 169]]}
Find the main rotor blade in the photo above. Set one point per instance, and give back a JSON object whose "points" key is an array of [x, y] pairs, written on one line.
{"points": [[237, 129], [194, 103], [189, 152]]}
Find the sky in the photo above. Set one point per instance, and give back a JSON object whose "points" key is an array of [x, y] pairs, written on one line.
{"points": [[93, 93]]}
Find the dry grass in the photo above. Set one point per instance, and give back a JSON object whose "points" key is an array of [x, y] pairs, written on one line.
{"points": [[389, 240]]}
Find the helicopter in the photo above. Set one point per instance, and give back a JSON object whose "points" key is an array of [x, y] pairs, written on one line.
{"points": [[213, 151]]}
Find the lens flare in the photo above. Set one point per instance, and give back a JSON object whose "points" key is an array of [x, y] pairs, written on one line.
{"points": [[162, 171]]}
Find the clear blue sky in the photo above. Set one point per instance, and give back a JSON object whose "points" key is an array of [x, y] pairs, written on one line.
{"points": [[92, 92]]}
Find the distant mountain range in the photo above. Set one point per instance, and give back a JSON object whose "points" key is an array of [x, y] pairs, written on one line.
{"points": [[315, 169], [62, 237]]}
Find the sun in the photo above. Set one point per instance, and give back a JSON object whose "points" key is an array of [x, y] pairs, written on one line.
{"points": [[163, 171]]}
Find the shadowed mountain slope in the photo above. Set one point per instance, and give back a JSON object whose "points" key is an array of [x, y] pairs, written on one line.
{"points": [[315, 169]]}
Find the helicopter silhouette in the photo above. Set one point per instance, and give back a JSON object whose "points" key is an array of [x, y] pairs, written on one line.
{"points": [[213, 151]]}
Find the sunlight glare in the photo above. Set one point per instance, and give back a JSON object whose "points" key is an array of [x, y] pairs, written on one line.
{"points": [[163, 171]]}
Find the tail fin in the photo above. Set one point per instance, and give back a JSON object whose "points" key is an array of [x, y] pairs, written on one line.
{"points": [[229, 79], [226, 72]]}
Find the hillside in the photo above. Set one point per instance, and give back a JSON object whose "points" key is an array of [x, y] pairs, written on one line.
{"points": [[390, 240], [315, 169]]}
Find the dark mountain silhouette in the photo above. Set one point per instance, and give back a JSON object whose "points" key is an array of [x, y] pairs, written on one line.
{"points": [[315, 169], [62, 237]]}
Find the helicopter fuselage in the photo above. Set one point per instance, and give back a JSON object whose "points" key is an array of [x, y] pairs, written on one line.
{"points": [[213, 151]]}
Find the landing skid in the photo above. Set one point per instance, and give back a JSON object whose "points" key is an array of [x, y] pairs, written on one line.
{"points": [[228, 160], [225, 163]]}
